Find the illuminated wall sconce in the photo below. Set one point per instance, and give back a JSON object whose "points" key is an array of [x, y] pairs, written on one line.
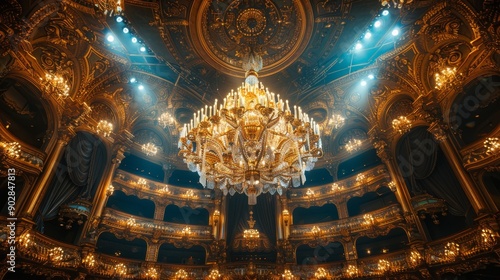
{"points": [[451, 251], [104, 128], [150, 149], [310, 193], [491, 144], [11, 150], [353, 145], [216, 216], [110, 190], [392, 186], [401, 124]]}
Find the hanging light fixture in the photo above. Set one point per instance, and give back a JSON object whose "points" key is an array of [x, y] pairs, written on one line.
{"points": [[491, 144], [11, 149], [165, 120], [252, 142], [251, 235], [104, 127], [55, 84], [150, 149], [353, 145], [401, 124]]}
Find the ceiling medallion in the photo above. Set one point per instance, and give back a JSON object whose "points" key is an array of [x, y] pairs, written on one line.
{"points": [[224, 30], [253, 142]]}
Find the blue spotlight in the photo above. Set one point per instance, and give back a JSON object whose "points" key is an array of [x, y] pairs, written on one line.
{"points": [[395, 32], [134, 40], [368, 35], [363, 83], [119, 19], [133, 80], [140, 87], [125, 30], [371, 77], [377, 24], [110, 38], [142, 49], [385, 12], [358, 46]]}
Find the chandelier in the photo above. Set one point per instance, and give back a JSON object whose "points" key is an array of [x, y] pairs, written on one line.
{"points": [[446, 78], [252, 142], [491, 144], [383, 265], [55, 84], [401, 124], [104, 127], [149, 149], [165, 120], [181, 274], [320, 273], [337, 121], [12, 149], [251, 235], [353, 145], [451, 251]]}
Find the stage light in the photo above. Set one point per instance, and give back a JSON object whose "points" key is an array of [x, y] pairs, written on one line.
{"points": [[140, 87], [119, 19], [134, 40], [395, 32], [371, 77], [133, 80], [142, 49], [110, 38], [125, 30], [385, 13], [358, 46], [377, 24], [368, 35], [363, 83]]}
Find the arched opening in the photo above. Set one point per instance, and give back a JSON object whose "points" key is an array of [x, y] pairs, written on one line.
{"points": [[131, 204], [371, 201], [307, 255], [109, 244], [395, 240], [186, 215], [194, 255], [22, 113], [474, 113], [72, 188], [428, 175], [315, 214]]}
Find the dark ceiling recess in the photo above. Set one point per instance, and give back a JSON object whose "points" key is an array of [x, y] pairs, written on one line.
{"points": [[131, 204], [141, 167], [358, 164], [109, 244]]}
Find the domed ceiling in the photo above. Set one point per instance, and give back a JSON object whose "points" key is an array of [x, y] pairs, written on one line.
{"points": [[204, 41]]}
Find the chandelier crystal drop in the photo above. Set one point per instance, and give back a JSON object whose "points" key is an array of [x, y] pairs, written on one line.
{"points": [[252, 143]]}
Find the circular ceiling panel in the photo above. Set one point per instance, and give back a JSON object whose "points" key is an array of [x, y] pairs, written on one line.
{"points": [[224, 31]]}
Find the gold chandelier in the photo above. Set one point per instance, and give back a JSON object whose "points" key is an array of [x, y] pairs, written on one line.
{"points": [[251, 235], [252, 143]]}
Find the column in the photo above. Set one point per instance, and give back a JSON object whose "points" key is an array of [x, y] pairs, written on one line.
{"points": [[102, 194], [159, 211], [116, 159], [341, 205], [223, 213], [402, 194], [279, 219], [470, 189], [35, 198], [152, 252]]}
